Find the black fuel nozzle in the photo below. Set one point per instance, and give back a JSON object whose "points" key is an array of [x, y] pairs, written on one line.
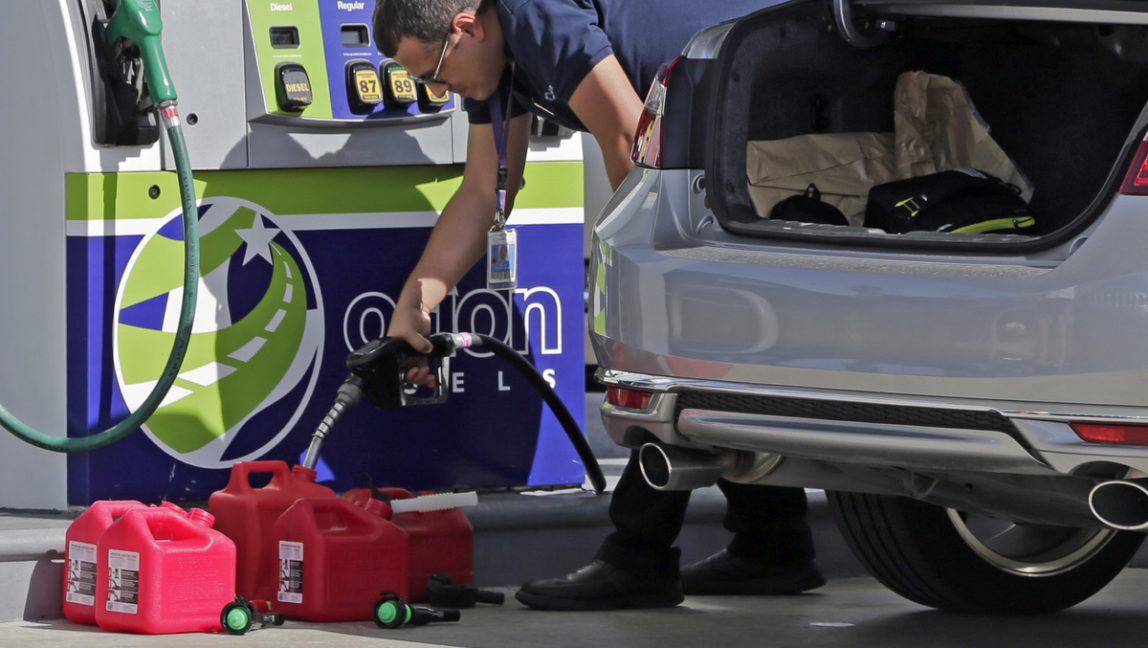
{"points": [[442, 592], [391, 611], [382, 365], [378, 370]]}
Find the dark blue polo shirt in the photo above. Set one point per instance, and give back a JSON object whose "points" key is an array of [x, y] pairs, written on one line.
{"points": [[555, 43]]}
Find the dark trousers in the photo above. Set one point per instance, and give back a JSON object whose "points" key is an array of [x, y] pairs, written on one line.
{"points": [[768, 523]]}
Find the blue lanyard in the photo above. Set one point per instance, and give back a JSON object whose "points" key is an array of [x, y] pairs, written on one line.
{"points": [[501, 124]]}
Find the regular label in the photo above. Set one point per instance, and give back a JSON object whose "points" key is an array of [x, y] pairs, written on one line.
{"points": [[123, 581], [81, 584], [290, 572]]}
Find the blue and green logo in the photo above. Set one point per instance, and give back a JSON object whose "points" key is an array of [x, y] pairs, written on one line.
{"points": [[253, 358]]}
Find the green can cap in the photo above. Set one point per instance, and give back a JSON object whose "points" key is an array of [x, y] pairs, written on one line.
{"points": [[238, 618]]}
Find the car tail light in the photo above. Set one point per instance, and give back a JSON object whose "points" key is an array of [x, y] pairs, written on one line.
{"points": [[1136, 181], [629, 398], [1103, 433], [647, 150]]}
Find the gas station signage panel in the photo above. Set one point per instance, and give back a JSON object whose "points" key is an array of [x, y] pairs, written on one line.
{"points": [[300, 267]]}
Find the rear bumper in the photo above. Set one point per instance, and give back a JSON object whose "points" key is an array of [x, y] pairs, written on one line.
{"points": [[914, 434]]}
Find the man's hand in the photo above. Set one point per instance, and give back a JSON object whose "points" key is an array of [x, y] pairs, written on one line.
{"points": [[412, 323]]}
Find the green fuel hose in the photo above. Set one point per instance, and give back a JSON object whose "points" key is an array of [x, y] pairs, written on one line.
{"points": [[138, 21]]}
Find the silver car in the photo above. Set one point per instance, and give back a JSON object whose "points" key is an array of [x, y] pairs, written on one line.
{"points": [[973, 398]]}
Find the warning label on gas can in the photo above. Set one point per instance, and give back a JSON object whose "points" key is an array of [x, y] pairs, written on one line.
{"points": [[81, 583], [123, 581], [290, 572]]}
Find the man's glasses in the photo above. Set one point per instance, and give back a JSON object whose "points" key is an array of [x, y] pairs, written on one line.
{"points": [[433, 78]]}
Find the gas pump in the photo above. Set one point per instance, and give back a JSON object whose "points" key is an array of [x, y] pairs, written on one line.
{"points": [[320, 168]]}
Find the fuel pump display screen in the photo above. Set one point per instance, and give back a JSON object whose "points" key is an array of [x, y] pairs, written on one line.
{"points": [[355, 36], [284, 37]]}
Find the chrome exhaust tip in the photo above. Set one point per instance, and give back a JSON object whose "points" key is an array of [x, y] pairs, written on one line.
{"points": [[1120, 504], [667, 468]]}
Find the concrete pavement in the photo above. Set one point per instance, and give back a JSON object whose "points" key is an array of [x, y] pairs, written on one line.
{"points": [[853, 612]]}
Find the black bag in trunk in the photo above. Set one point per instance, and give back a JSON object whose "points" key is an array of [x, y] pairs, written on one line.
{"points": [[808, 208], [964, 200]]}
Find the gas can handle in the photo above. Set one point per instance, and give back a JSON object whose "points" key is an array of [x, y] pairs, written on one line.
{"points": [[111, 510], [152, 518], [241, 473], [352, 517]]}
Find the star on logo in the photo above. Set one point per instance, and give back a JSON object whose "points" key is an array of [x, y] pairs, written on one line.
{"points": [[258, 240]]}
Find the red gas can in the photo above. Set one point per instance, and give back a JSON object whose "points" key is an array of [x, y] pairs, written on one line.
{"points": [[163, 572], [246, 514], [441, 542], [335, 559], [81, 557]]}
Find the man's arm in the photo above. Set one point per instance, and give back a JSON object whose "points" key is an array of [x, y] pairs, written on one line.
{"points": [[458, 240], [608, 105]]}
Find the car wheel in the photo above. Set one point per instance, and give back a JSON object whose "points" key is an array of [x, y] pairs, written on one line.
{"points": [[954, 561]]}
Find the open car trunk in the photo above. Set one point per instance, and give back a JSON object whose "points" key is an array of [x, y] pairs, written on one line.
{"points": [[1063, 99]]}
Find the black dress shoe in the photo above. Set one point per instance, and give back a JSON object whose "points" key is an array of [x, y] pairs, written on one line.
{"points": [[602, 586], [725, 573]]}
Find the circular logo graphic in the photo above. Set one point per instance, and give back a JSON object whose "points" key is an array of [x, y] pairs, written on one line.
{"points": [[253, 357]]}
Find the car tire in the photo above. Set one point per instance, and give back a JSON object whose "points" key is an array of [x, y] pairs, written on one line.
{"points": [[948, 560]]}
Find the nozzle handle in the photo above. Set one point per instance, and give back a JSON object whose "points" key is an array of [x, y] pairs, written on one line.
{"points": [[382, 364], [139, 21]]}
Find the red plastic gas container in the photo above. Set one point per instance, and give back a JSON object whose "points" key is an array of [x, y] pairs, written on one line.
{"points": [[164, 572], [81, 556], [441, 542], [246, 514], [335, 559]]}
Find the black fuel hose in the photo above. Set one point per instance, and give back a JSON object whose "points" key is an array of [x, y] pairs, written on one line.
{"points": [[377, 369], [569, 425]]}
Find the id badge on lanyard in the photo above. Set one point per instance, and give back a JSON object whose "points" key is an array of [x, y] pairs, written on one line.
{"points": [[502, 259], [501, 243]]}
